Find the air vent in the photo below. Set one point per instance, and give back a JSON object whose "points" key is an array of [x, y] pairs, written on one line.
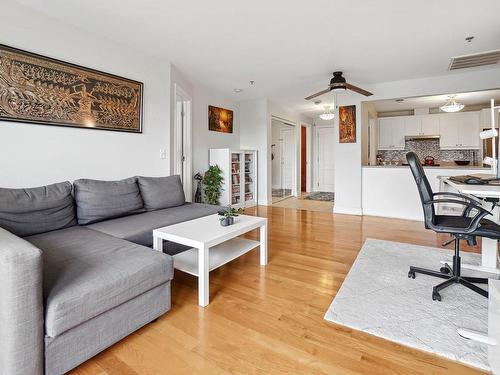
{"points": [[477, 59]]}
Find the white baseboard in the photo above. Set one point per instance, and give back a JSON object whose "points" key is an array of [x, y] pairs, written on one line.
{"points": [[391, 216], [348, 210]]}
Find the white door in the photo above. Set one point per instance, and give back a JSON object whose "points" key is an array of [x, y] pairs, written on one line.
{"points": [[287, 157], [182, 141], [326, 165]]}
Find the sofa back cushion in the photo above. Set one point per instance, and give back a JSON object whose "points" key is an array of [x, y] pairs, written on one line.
{"points": [[161, 192], [100, 200], [37, 210]]}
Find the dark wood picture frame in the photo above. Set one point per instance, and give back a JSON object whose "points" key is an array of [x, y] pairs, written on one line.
{"points": [[220, 119], [347, 124], [42, 90]]}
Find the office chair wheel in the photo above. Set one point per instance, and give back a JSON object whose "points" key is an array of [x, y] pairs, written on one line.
{"points": [[444, 270], [411, 274], [436, 296]]}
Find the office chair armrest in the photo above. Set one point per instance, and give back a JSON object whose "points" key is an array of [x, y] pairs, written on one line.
{"points": [[461, 196], [468, 207]]}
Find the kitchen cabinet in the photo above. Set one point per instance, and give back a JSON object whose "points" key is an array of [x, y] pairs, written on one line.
{"points": [[430, 124], [391, 133], [459, 130], [485, 119], [421, 125]]}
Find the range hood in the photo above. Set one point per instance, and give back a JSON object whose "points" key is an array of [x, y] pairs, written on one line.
{"points": [[420, 137]]}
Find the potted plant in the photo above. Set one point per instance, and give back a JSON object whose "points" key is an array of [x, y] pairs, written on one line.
{"points": [[212, 181], [227, 216]]}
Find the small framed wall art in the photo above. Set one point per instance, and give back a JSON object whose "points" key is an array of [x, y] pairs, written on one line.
{"points": [[220, 119]]}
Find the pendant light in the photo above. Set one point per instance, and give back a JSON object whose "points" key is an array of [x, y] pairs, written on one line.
{"points": [[452, 105], [328, 114]]}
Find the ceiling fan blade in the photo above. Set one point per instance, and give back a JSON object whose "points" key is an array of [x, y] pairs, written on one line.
{"points": [[358, 90], [318, 94]]}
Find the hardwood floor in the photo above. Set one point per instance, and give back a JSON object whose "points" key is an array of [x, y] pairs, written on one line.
{"points": [[269, 320], [304, 204]]}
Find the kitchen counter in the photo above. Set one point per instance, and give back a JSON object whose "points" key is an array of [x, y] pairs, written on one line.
{"points": [[390, 191], [475, 167]]}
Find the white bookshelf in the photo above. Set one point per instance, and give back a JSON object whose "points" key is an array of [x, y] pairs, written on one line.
{"points": [[239, 170]]}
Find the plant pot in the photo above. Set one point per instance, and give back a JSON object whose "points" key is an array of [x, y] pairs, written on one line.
{"points": [[226, 221]]}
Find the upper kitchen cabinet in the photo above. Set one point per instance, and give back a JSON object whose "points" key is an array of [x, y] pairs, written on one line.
{"points": [[459, 130], [391, 133], [421, 125]]}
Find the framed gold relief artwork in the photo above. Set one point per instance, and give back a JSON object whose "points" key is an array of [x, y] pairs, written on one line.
{"points": [[220, 119], [347, 124], [46, 91]]}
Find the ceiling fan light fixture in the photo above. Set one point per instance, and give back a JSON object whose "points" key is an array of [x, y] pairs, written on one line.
{"points": [[451, 105], [339, 88], [328, 114]]}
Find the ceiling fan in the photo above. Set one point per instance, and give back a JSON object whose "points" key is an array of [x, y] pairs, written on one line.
{"points": [[337, 84]]}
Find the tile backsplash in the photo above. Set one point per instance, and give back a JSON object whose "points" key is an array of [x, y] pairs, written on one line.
{"points": [[428, 147]]}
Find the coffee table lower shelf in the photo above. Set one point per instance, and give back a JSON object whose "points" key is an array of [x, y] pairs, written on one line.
{"points": [[187, 261]]}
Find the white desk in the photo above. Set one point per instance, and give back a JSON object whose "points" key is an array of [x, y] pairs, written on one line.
{"points": [[489, 248]]}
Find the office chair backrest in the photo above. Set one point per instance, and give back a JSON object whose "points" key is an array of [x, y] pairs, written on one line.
{"points": [[423, 186]]}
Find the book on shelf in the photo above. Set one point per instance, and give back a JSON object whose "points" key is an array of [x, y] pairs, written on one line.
{"points": [[235, 179], [248, 196]]}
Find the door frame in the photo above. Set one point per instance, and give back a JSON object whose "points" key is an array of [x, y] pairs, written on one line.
{"points": [[292, 130], [309, 155], [316, 155], [182, 142]]}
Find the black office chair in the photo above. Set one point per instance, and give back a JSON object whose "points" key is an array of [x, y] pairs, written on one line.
{"points": [[469, 225]]}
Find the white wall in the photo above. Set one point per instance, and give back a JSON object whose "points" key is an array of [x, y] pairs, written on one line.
{"points": [[348, 178], [255, 134], [32, 155], [204, 139]]}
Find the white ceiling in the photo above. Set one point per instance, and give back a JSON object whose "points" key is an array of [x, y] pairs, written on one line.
{"points": [[291, 47], [435, 101]]}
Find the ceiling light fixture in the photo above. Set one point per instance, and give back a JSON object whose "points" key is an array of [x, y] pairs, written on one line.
{"points": [[328, 114], [237, 91], [451, 105]]}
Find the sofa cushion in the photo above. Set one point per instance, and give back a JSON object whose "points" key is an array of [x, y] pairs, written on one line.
{"points": [[36, 210], [86, 273], [161, 192], [139, 228], [99, 200]]}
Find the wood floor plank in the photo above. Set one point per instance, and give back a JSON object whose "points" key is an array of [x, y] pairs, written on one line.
{"points": [[269, 320]]}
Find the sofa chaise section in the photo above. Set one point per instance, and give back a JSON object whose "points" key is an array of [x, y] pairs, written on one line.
{"points": [[97, 290], [86, 273]]}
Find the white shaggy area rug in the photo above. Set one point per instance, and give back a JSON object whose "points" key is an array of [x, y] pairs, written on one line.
{"points": [[377, 297]]}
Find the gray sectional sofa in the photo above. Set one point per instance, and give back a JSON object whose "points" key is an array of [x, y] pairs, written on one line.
{"points": [[77, 273]]}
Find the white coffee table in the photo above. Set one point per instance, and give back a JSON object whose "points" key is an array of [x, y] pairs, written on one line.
{"points": [[213, 245]]}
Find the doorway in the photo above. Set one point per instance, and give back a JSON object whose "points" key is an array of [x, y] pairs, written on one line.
{"points": [[283, 151], [182, 140]]}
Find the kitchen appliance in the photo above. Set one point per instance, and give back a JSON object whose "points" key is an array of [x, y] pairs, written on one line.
{"points": [[429, 161]]}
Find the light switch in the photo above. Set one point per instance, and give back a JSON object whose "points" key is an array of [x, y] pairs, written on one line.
{"points": [[163, 153]]}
